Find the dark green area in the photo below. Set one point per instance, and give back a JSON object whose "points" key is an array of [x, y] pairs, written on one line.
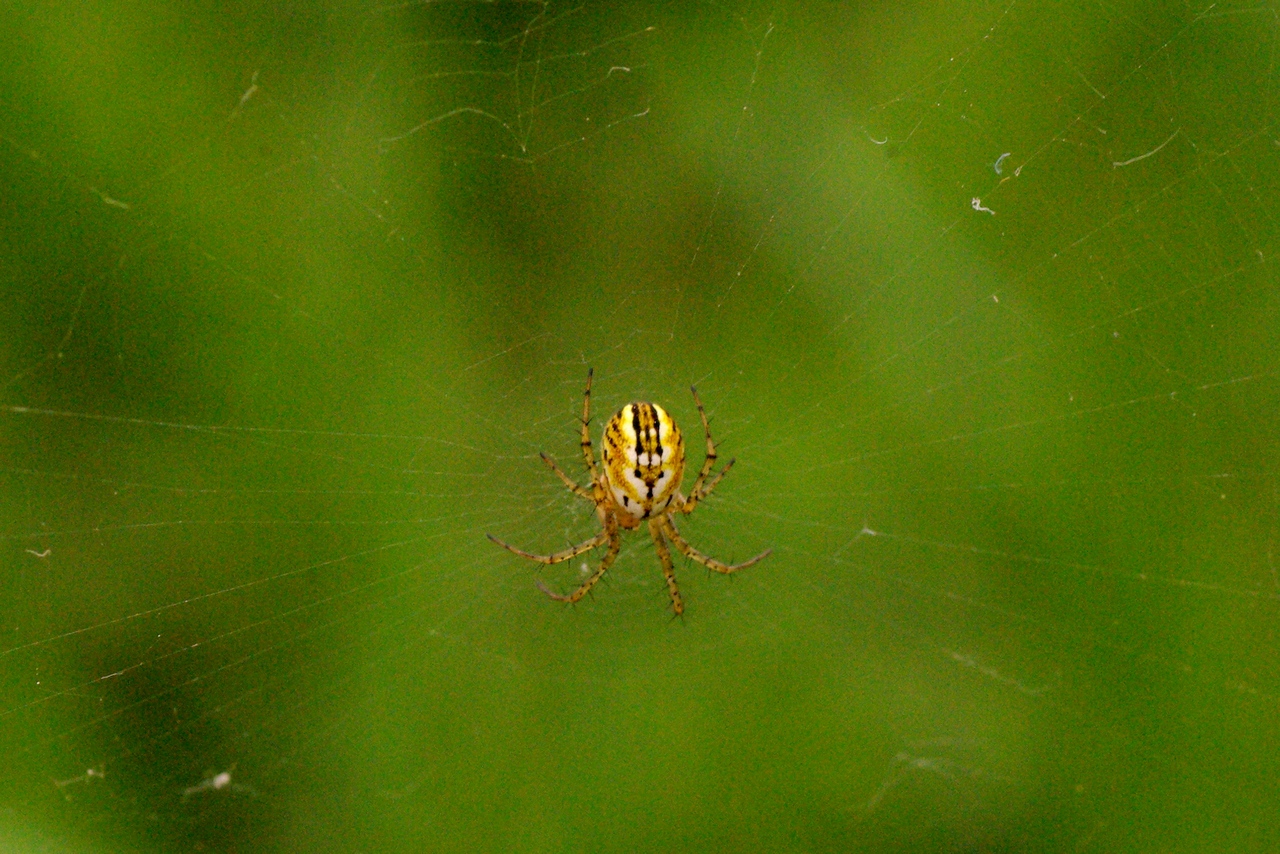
{"points": [[295, 296]]}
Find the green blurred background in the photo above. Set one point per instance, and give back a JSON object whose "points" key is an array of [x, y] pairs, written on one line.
{"points": [[982, 297]]}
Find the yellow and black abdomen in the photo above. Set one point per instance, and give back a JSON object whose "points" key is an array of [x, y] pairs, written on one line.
{"points": [[643, 461]]}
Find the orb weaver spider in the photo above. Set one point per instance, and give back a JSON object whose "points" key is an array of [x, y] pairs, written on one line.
{"points": [[642, 455]]}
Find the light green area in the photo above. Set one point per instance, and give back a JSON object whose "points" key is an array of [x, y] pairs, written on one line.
{"points": [[296, 296]]}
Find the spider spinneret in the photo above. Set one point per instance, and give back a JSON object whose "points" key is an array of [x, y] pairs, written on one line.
{"points": [[643, 464]]}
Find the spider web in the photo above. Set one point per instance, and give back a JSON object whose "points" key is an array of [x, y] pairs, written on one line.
{"points": [[982, 299]]}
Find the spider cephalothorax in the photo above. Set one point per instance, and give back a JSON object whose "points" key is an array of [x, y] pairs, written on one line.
{"points": [[643, 456]]}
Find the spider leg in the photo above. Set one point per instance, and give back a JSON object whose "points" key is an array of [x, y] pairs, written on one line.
{"points": [[669, 528], [615, 543], [587, 453], [559, 557], [568, 481], [694, 497], [699, 492], [664, 555]]}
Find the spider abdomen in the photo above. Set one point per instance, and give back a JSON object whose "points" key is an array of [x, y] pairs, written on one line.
{"points": [[643, 461]]}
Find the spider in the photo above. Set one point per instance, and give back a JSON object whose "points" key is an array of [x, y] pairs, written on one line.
{"points": [[643, 461]]}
